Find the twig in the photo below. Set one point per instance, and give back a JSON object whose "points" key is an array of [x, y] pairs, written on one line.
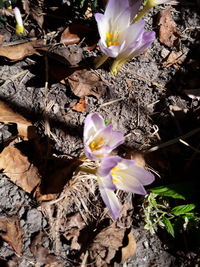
{"points": [[174, 141]]}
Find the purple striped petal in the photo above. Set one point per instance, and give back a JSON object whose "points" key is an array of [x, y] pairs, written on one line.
{"points": [[111, 201]]}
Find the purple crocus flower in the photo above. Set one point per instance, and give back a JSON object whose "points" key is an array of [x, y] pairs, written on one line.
{"points": [[118, 37], [118, 173], [99, 139]]}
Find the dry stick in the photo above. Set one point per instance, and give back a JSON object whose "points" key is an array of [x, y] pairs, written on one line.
{"points": [[14, 77], [174, 141]]}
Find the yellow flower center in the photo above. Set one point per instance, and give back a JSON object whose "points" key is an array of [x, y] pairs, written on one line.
{"points": [[97, 144], [114, 174], [112, 38]]}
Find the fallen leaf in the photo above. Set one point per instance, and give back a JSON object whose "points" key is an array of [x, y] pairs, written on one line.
{"points": [[24, 127], [84, 82], [18, 52], [68, 55], [168, 33], [11, 232], [42, 254], [106, 244], [77, 32], [175, 59], [71, 227], [129, 250], [80, 106], [68, 37], [17, 167]]}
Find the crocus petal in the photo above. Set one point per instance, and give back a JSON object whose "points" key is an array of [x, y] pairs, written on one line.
{"points": [[135, 6], [100, 139], [102, 24], [126, 174], [107, 164], [111, 201], [115, 7], [111, 138], [112, 51], [93, 123], [128, 184]]}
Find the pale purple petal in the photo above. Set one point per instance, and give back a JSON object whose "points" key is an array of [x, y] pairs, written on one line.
{"points": [[106, 182], [147, 39], [112, 51], [93, 123], [134, 32], [115, 7], [112, 139], [107, 164], [111, 201], [135, 6], [101, 137], [129, 184], [102, 24]]}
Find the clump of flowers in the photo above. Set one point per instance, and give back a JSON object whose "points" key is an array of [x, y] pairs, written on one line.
{"points": [[113, 172], [121, 30]]}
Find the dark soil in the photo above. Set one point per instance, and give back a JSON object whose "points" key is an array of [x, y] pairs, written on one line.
{"points": [[152, 107]]}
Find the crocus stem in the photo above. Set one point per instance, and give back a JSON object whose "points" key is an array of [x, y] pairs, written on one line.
{"points": [[100, 60], [88, 170], [116, 65], [141, 14]]}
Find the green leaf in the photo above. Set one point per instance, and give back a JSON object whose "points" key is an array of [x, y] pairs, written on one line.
{"points": [[182, 209], [169, 227], [166, 191]]}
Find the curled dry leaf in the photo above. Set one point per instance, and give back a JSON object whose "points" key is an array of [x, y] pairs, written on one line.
{"points": [[71, 227], [41, 253], [17, 167], [18, 52], [75, 33], [168, 33], [84, 82], [106, 244], [24, 127], [129, 250], [80, 106], [11, 232], [174, 59], [68, 37]]}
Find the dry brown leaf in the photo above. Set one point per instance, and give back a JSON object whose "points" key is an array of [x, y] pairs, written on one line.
{"points": [[168, 33], [77, 32], [11, 232], [84, 82], [18, 168], [129, 250], [80, 106], [106, 244], [69, 37], [71, 227], [18, 52], [42, 254], [24, 127], [175, 59]]}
